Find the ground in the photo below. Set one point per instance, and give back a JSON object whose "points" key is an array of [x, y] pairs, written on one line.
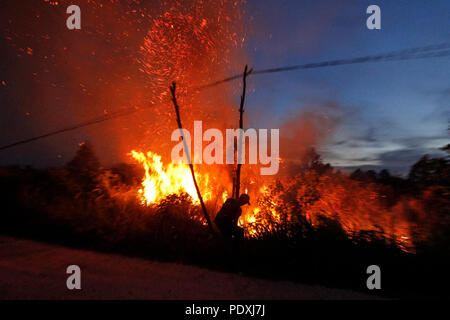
{"points": [[34, 270]]}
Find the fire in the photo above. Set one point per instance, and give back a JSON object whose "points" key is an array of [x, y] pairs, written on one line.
{"points": [[252, 218], [271, 211], [224, 196], [162, 180], [192, 45]]}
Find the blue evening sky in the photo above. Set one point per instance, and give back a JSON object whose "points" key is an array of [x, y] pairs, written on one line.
{"points": [[391, 112]]}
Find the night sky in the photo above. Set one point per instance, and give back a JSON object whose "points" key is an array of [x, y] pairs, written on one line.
{"points": [[384, 115]]}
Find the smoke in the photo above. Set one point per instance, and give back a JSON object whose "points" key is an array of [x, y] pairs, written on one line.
{"points": [[310, 128]]}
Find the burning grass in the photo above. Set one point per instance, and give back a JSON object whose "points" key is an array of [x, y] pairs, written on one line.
{"points": [[288, 205], [317, 226], [161, 181]]}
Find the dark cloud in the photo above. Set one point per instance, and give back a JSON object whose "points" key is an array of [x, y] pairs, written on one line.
{"points": [[350, 169], [420, 142], [401, 160]]}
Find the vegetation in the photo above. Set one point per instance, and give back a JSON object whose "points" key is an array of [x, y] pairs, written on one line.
{"points": [[328, 227]]}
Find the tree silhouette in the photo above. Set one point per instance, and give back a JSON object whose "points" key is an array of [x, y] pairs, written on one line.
{"points": [[85, 167], [311, 160], [430, 171]]}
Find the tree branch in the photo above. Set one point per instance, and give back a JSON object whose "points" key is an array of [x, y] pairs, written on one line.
{"points": [[191, 166], [241, 125]]}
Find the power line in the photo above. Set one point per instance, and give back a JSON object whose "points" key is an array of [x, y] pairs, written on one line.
{"points": [[380, 58], [116, 114], [425, 52], [431, 51]]}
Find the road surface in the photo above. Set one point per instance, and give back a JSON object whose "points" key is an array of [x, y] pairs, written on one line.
{"points": [[34, 270]]}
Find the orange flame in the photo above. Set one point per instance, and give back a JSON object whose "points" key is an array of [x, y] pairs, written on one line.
{"points": [[160, 180]]}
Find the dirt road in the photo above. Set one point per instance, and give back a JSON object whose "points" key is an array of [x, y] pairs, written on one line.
{"points": [[33, 270]]}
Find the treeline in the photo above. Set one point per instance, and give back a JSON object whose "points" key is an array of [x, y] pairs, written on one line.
{"points": [[315, 225]]}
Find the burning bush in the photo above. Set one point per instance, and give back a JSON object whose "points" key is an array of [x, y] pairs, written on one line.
{"points": [[315, 215]]}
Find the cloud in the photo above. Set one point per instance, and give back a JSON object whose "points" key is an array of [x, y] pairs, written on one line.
{"points": [[423, 142], [397, 155]]}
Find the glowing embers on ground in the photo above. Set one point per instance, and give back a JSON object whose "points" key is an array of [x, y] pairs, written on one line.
{"points": [[162, 180]]}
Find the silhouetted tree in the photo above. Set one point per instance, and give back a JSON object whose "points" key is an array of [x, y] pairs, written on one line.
{"points": [[85, 167], [446, 148], [364, 176], [128, 174], [384, 176], [430, 171], [357, 175], [312, 161]]}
